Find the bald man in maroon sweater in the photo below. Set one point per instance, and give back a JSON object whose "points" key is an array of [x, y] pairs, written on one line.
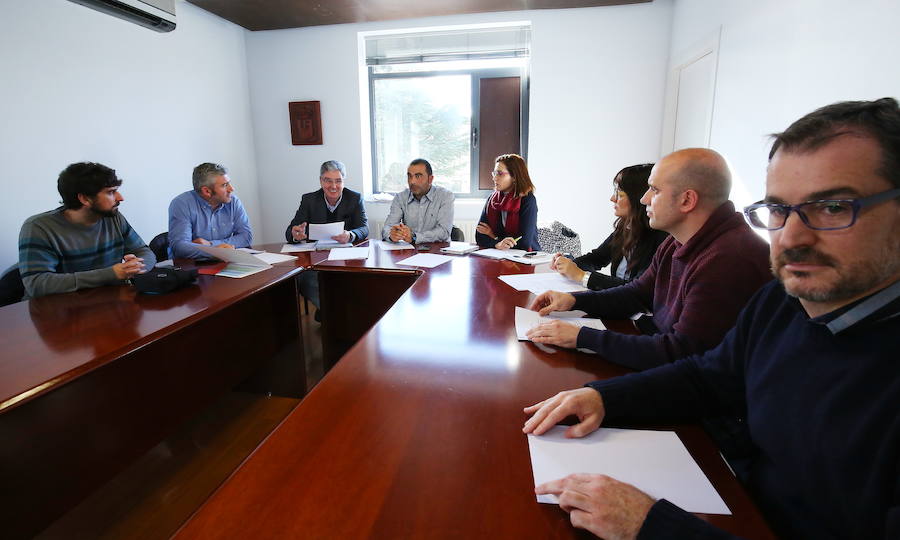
{"points": [[698, 282]]}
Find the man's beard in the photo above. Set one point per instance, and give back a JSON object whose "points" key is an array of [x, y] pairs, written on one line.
{"points": [[852, 280], [106, 213]]}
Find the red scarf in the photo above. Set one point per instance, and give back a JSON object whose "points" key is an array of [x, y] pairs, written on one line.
{"points": [[504, 202]]}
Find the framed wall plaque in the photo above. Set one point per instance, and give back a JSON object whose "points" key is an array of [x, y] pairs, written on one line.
{"points": [[306, 122]]}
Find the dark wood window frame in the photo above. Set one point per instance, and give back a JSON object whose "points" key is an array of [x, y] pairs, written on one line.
{"points": [[476, 174]]}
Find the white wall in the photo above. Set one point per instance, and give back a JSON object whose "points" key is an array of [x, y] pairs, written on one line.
{"points": [[78, 85], [780, 59], [598, 78]]}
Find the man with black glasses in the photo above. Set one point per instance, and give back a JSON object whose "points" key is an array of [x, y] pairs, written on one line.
{"points": [[811, 364]]}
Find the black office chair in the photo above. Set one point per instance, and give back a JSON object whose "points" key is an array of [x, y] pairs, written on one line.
{"points": [[11, 288], [456, 234], [160, 246]]}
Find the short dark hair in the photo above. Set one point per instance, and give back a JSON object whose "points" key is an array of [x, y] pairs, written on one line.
{"points": [[84, 178], [879, 119], [420, 161], [205, 175]]}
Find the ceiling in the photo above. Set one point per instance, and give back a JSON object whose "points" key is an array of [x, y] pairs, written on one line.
{"points": [[278, 14]]}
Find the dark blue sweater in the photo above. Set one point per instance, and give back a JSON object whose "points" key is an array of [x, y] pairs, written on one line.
{"points": [[822, 410]]}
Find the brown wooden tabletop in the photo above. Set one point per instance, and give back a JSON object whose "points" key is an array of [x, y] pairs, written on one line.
{"points": [[416, 432], [48, 341], [90, 380]]}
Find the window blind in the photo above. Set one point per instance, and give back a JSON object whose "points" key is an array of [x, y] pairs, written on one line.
{"points": [[448, 45]]}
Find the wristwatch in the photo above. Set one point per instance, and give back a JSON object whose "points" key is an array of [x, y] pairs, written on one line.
{"points": [[585, 279]]}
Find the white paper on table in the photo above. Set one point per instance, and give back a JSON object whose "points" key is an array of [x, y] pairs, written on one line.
{"points": [[532, 258], [298, 248], [331, 244], [324, 231], [393, 246], [273, 258], [346, 254], [492, 253], [541, 282], [656, 462], [527, 319], [425, 260], [251, 251], [459, 248]]}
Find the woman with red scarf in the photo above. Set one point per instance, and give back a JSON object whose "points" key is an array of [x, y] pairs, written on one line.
{"points": [[509, 218]]}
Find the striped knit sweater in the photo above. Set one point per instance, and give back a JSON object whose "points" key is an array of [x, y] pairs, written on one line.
{"points": [[57, 256]]}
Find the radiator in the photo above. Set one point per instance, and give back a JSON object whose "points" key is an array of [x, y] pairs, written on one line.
{"points": [[467, 227]]}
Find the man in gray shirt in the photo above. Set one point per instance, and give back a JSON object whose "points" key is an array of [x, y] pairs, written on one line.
{"points": [[86, 242], [421, 213]]}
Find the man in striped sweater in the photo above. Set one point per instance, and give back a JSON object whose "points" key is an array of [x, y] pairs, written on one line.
{"points": [[84, 243]]}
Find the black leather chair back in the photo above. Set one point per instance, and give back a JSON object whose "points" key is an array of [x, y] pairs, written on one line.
{"points": [[11, 288], [160, 246]]}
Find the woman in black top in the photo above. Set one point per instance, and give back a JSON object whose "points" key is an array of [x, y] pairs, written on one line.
{"points": [[630, 248]]}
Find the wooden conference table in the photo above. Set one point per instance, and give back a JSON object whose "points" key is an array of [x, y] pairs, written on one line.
{"points": [[91, 380], [416, 431]]}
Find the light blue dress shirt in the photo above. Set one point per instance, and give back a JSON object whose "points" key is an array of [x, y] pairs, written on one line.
{"points": [[192, 217], [430, 218]]}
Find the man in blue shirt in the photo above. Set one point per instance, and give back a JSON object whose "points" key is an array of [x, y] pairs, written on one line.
{"points": [[423, 212], [209, 215], [811, 364]]}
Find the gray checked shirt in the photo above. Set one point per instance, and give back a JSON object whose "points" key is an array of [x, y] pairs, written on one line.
{"points": [[430, 218]]}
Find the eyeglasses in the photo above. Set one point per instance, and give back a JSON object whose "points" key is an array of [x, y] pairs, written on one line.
{"points": [[495, 174], [825, 215]]}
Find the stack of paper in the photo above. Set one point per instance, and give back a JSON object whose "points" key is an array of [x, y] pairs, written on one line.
{"points": [[527, 319], [492, 253], [273, 258], [541, 282], [322, 245], [459, 248], [240, 263], [516, 255], [393, 246], [298, 248], [532, 257]]}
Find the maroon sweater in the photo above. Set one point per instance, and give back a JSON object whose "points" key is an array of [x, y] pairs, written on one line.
{"points": [[695, 292]]}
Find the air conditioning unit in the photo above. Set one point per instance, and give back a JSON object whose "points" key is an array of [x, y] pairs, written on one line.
{"points": [[158, 15]]}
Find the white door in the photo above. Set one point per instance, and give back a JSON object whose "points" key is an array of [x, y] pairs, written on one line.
{"points": [[694, 105], [690, 98]]}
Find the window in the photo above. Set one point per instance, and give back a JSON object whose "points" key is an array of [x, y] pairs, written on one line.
{"points": [[458, 110]]}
